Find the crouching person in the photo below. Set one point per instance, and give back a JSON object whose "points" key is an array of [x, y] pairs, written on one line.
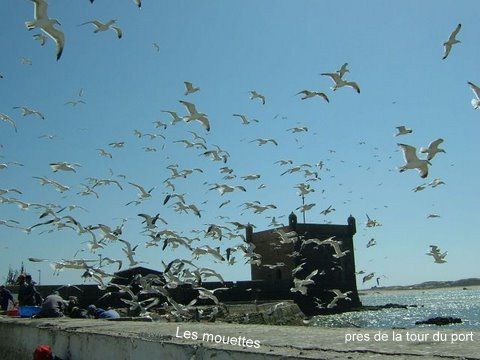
{"points": [[52, 307]]}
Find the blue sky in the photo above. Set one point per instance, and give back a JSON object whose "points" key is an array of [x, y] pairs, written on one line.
{"points": [[394, 51]]}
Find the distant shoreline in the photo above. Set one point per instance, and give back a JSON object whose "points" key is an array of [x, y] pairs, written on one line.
{"points": [[430, 285]]}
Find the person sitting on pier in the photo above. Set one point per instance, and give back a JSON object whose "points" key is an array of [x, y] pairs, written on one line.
{"points": [[99, 313], [5, 297], [53, 306]]}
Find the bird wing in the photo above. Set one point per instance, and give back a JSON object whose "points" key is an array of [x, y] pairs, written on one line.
{"points": [[434, 144], [448, 48], [409, 153], [40, 9], [324, 96], [138, 187], [475, 89], [118, 31], [354, 85], [204, 121], [190, 107], [57, 36], [455, 32], [423, 170], [334, 76], [94, 22]]}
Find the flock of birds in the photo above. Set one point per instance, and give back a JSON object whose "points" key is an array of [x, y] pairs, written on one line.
{"points": [[53, 217]]}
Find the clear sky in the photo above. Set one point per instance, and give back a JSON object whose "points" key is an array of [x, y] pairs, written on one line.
{"points": [[227, 48]]}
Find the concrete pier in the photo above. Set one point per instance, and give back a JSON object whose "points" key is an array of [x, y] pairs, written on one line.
{"points": [[107, 340]]}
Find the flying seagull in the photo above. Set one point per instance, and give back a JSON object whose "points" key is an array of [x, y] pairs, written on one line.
{"points": [[256, 95], [190, 89], [413, 162], [402, 130], [9, 120], [195, 115], [476, 91], [432, 149], [105, 26], [309, 94], [339, 82], [343, 70], [26, 111], [47, 25], [451, 41]]}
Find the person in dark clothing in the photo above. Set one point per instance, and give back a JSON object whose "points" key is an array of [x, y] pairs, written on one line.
{"points": [[52, 307], [27, 293], [99, 313], [5, 297]]}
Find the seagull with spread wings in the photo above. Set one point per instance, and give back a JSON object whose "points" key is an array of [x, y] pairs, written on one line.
{"points": [[256, 95], [105, 26], [195, 115], [190, 89], [338, 82], [451, 41], [476, 92], [8, 119], [47, 25], [432, 149], [307, 94], [26, 111], [412, 161]]}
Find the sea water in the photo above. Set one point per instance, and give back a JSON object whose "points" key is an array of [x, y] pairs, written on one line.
{"points": [[458, 303]]}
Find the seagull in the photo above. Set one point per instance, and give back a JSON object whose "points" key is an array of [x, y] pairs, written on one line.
{"points": [[190, 89], [174, 115], [371, 243], [301, 285], [47, 25], [476, 91], [338, 296], [371, 222], [256, 95], [26, 111], [75, 102], [104, 153], [432, 149], [298, 129], [9, 120], [343, 70], [194, 115], [156, 46], [105, 26], [402, 130], [432, 216], [25, 61], [245, 120], [451, 41], [310, 94], [63, 166], [265, 141], [368, 277], [436, 182], [339, 82], [413, 162], [437, 255], [143, 194], [419, 188], [327, 211]]}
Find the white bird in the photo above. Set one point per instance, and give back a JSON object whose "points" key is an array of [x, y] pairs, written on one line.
{"points": [[64, 166], [143, 194], [368, 277], [307, 94], [75, 102], [301, 285], [327, 211], [156, 46], [47, 25], [451, 41], [256, 95], [436, 182], [338, 296], [402, 130], [195, 115], [372, 222], [26, 111], [190, 89], [437, 255], [338, 82], [432, 149], [413, 162], [371, 243], [9, 120], [245, 120], [105, 26], [265, 141], [476, 92], [104, 153], [129, 252], [298, 129], [174, 115], [224, 188]]}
